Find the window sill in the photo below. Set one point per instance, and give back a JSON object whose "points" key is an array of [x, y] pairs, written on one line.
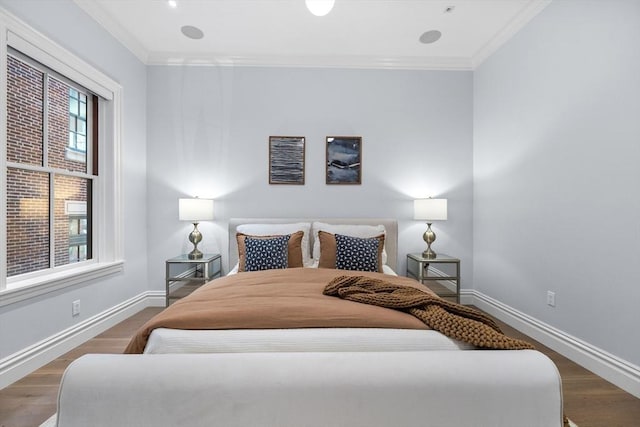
{"points": [[31, 288]]}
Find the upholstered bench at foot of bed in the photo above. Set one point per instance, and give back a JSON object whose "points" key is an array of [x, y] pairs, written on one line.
{"points": [[374, 389]]}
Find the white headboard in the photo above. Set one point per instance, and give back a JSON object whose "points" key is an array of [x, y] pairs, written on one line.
{"points": [[390, 225]]}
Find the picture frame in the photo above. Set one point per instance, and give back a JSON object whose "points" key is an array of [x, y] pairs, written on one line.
{"points": [[344, 160], [287, 160]]}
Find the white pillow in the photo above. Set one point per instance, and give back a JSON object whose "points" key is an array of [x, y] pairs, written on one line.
{"points": [[279, 229], [362, 231]]}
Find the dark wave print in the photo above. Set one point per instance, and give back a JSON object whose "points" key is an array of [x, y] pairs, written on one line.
{"points": [[287, 161]]}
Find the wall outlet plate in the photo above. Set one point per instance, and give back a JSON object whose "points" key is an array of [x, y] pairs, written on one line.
{"points": [[551, 298], [75, 308]]}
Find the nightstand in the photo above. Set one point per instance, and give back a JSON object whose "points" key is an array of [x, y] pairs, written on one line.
{"points": [[193, 272], [426, 272]]}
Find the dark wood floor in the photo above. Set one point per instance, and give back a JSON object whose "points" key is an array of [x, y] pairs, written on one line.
{"points": [[588, 400]]}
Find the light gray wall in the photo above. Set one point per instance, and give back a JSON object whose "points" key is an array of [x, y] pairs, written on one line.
{"points": [[25, 323], [553, 116], [556, 172], [208, 131]]}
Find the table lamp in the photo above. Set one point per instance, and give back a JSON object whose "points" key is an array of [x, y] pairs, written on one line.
{"points": [[195, 210], [430, 210]]}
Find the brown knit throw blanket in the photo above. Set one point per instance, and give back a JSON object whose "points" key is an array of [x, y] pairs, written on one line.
{"points": [[454, 320]]}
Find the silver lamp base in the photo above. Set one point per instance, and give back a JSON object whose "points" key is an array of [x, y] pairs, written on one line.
{"points": [[195, 237], [195, 254], [429, 254], [429, 237]]}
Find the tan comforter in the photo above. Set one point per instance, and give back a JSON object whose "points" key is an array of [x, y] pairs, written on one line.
{"points": [[291, 298]]}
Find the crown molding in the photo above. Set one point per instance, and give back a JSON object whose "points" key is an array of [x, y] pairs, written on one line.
{"points": [[314, 61], [105, 20], [516, 24]]}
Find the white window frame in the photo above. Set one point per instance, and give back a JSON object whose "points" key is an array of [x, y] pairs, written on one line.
{"points": [[108, 242]]}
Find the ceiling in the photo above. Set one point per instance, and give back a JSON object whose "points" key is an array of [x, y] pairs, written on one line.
{"points": [[355, 34]]}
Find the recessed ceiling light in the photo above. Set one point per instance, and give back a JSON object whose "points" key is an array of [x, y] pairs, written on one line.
{"points": [[430, 37], [319, 7], [192, 32], [172, 4]]}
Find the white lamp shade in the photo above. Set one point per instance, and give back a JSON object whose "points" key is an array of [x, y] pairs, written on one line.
{"points": [[195, 210], [319, 7], [430, 209]]}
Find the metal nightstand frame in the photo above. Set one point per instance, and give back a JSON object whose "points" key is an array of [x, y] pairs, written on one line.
{"points": [[418, 268], [196, 271]]}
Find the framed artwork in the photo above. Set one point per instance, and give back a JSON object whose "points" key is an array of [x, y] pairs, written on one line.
{"points": [[344, 160], [286, 160]]}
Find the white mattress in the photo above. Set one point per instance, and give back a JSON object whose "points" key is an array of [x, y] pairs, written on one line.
{"points": [[298, 340]]}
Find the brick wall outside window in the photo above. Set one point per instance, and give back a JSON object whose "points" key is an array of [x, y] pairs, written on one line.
{"points": [[27, 221], [24, 113], [28, 192]]}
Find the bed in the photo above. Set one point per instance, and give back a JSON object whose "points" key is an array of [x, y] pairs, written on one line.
{"points": [[257, 371]]}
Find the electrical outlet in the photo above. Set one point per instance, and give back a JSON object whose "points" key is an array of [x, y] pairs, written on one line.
{"points": [[551, 298], [75, 308]]}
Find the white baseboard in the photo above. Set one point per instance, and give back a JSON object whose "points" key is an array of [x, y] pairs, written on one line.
{"points": [[613, 369], [22, 363]]}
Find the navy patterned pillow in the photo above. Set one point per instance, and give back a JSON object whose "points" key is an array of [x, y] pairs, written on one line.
{"points": [[355, 253], [266, 254]]}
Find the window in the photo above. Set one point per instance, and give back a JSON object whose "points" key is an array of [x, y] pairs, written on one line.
{"points": [[48, 119], [77, 149], [59, 165], [77, 213]]}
